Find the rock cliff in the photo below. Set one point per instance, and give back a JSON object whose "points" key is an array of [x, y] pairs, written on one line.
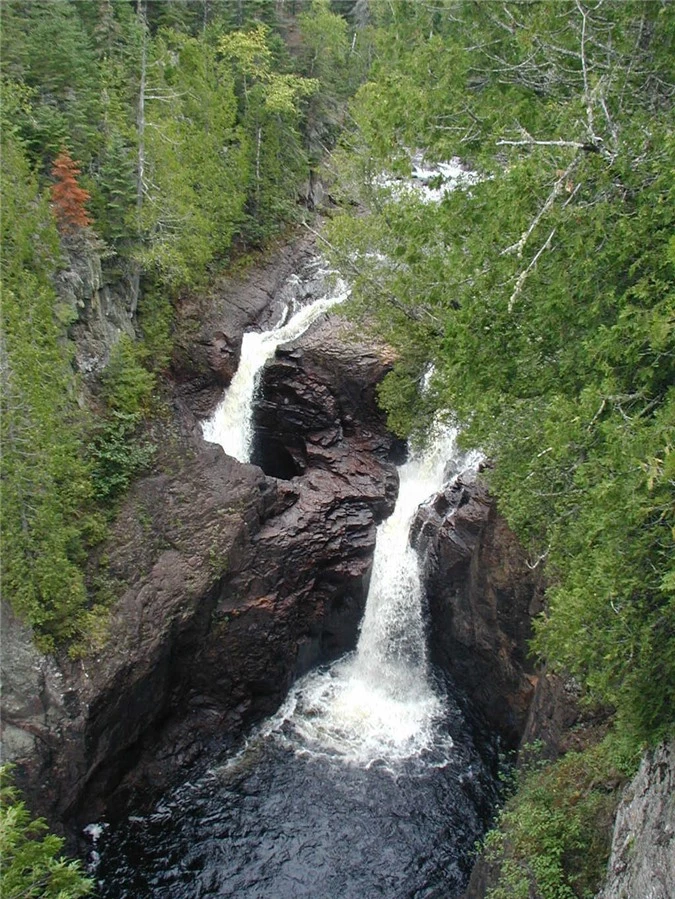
{"points": [[97, 298], [211, 325], [482, 596], [642, 862], [229, 582]]}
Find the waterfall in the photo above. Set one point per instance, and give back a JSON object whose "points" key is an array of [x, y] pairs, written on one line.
{"points": [[231, 424], [379, 703]]}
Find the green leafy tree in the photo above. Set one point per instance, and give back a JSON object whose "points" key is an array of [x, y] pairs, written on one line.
{"points": [[542, 293], [32, 863], [270, 116]]}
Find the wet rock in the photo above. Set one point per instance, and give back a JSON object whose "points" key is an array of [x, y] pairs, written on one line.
{"points": [[317, 403], [230, 584], [642, 861], [164, 559], [482, 597], [208, 339]]}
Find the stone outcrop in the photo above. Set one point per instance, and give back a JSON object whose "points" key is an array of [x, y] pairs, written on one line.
{"points": [[208, 340], [231, 583], [482, 596], [642, 861], [317, 403], [98, 300]]}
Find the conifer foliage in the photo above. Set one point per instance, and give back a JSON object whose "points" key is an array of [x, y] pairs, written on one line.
{"points": [[68, 198], [144, 118], [540, 293]]}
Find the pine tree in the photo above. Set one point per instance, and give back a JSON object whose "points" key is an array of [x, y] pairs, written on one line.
{"points": [[68, 198]]}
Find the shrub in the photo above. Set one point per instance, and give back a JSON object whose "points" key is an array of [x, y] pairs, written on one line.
{"points": [[117, 455], [32, 864], [127, 385], [552, 838]]}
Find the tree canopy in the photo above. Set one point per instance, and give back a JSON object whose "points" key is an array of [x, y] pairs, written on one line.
{"points": [[159, 139], [541, 292]]}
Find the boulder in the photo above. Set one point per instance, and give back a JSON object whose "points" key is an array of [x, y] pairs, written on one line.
{"points": [[317, 398]]}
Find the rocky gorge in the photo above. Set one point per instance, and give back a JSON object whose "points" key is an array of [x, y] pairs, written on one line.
{"points": [[233, 579]]}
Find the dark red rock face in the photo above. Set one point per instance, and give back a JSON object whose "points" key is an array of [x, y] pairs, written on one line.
{"points": [[231, 583], [208, 338], [482, 597], [317, 406]]}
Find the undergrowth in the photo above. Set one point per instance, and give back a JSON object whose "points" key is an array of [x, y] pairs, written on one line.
{"points": [[552, 838]]}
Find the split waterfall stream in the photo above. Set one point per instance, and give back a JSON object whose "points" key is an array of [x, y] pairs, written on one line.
{"points": [[367, 782]]}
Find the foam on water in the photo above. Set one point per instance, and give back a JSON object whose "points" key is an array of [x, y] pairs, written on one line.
{"points": [[379, 704]]}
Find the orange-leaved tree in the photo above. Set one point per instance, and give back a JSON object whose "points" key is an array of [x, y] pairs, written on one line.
{"points": [[68, 198]]}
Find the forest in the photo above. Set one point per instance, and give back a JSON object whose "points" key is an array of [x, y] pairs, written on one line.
{"points": [[169, 139], [533, 304]]}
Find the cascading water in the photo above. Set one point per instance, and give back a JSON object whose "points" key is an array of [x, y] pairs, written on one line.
{"points": [[379, 704], [231, 423], [367, 781]]}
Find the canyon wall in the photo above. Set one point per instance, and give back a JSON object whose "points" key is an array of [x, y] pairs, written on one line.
{"points": [[231, 580], [229, 583]]}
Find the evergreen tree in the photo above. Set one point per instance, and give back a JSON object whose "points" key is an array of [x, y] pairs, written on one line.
{"points": [[32, 864], [45, 46], [46, 484], [324, 56], [196, 171], [542, 293]]}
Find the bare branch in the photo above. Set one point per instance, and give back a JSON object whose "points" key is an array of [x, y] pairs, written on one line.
{"points": [[522, 277], [584, 69], [520, 244], [539, 560], [531, 141]]}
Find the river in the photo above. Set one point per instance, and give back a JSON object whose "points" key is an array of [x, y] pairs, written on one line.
{"points": [[368, 781]]}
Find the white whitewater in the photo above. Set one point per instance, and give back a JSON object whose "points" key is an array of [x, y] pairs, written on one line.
{"points": [[379, 704], [428, 182], [231, 423]]}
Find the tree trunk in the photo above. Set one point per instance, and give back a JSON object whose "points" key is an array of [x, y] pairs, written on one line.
{"points": [[140, 125]]}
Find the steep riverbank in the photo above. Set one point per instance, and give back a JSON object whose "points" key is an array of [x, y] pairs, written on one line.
{"points": [[229, 583], [233, 580]]}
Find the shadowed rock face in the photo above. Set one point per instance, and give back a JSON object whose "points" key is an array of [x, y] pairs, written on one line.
{"points": [[482, 597], [318, 399], [208, 340]]}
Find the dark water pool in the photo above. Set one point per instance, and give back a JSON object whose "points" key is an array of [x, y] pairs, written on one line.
{"points": [[280, 822]]}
